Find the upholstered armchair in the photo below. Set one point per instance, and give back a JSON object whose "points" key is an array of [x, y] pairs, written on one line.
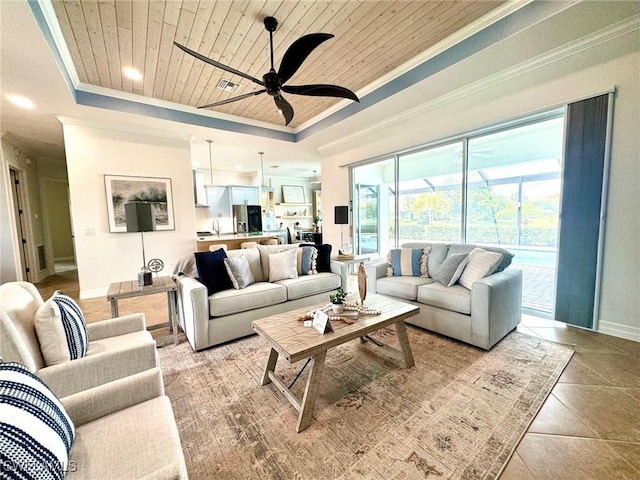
{"points": [[117, 347], [136, 417]]}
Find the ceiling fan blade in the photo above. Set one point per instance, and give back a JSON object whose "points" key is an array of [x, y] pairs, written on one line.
{"points": [[234, 99], [285, 108], [218, 64], [321, 90], [297, 53]]}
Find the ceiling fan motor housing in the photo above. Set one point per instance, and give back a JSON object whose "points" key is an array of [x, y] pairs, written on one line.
{"points": [[271, 82], [270, 23]]}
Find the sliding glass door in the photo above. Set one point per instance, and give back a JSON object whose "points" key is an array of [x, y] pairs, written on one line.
{"points": [[430, 194], [374, 207], [513, 195], [498, 187]]}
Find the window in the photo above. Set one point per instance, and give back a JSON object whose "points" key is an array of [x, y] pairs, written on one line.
{"points": [[498, 186]]}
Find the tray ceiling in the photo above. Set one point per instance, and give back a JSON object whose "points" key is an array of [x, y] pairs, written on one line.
{"points": [[372, 38]]}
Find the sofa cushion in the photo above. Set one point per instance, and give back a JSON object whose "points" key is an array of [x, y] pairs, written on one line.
{"points": [[401, 287], [283, 265], [257, 295], [36, 430], [253, 257], [212, 271], [456, 298], [307, 260], [451, 269], [308, 285], [323, 261], [265, 251], [61, 329], [239, 272], [507, 256], [437, 254], [481, 263], [410, 262]]}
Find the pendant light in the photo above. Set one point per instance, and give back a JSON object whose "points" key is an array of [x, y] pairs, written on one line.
{"points": [[210, 162], [262, 169]]}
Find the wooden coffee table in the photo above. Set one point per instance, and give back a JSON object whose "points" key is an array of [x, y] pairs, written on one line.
{"points": [[291, 339]]}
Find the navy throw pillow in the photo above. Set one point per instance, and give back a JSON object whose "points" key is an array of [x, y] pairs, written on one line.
{"points": [[323, 261], [212, 270]]}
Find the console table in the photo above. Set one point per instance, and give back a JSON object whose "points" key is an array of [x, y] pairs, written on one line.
{"points": [[129, 289]]}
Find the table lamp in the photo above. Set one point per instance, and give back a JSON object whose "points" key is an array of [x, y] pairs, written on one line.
{"points": [[342, 218], [140, 218]]}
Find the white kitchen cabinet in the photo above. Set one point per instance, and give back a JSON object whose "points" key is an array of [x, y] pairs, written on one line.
{"points": [[245, 195], [219, 199], [199, 190]]}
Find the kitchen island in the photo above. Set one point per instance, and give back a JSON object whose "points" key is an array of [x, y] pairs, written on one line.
{"points": [[233, 240]]}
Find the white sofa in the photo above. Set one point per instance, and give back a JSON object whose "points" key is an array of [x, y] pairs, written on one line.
{"points": [[481, 316], [209, 320]]}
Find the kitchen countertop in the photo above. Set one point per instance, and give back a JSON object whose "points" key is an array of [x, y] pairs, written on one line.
{"points": [[239, 236]]}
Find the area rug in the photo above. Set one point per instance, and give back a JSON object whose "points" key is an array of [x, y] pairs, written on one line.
{"points": [[458, 413]]}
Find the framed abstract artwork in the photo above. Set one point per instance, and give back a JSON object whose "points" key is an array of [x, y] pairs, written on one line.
{"points": [[121, 190]]}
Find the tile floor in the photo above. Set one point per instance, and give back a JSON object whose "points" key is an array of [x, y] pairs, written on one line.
{"points": [[589, 427]]}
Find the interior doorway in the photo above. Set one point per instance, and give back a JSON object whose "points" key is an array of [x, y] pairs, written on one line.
{"points": [[20, 220], [58, 226]]}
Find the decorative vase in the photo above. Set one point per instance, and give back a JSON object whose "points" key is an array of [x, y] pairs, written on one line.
{"points": [[337, 307]]}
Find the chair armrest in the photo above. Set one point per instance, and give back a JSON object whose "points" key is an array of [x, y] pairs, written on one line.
{"points": [[375, 270], [134, 356], [89, 405], [496, 306], [112, 327], [341, 269], [193, 311]]}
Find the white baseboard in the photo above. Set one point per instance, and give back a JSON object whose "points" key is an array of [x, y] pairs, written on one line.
{"points": [[619, 330], [98, 292]]}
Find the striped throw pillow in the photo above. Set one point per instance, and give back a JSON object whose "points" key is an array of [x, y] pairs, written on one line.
{"points": [[481, 263], [408, 262], [61, 330], [36, 433]]}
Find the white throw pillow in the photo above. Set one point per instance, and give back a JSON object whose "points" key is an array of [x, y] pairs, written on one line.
{"points": [[36, 433], [481, 263], [61, 330], [283, 265]]}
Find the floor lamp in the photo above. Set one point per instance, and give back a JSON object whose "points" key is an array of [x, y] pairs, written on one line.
{"points": [[342, 218], [140, 218]]}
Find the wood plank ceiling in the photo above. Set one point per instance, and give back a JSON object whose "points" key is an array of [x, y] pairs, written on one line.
{"points": [[371, 39]]}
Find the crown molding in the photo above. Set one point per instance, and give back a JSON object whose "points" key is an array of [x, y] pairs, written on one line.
{"points": [[118, 127], [587, 42]]}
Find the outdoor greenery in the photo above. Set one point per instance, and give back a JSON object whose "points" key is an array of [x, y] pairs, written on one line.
{"points": [[491, 218]]}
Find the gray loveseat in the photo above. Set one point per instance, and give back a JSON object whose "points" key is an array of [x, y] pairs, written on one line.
{"points": [[481, 315], [209, 320]]}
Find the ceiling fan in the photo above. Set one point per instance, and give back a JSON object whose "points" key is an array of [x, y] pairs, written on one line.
{"points": [[274, 82]]}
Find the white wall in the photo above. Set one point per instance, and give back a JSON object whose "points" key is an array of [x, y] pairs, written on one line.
{"points": [[96, 150], [476, 93]]}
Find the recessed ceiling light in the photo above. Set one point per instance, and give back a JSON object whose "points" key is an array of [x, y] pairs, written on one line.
{"points": [[132, 73], [20, 101]]}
